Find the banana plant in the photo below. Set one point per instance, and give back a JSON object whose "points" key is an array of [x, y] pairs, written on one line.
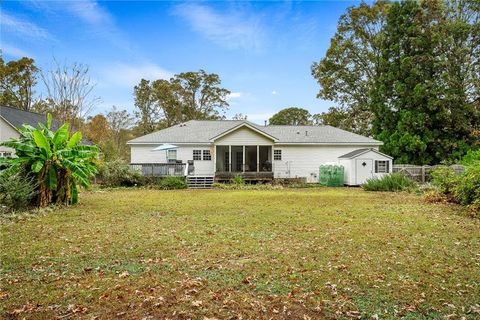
{"points": [[59, 160]]}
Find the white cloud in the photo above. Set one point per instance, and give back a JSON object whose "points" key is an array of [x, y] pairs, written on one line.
{"points": [[14, 51], [232, 31], [89, 11], [234, 95], [129, 75], [22, 27], [273, 92]]}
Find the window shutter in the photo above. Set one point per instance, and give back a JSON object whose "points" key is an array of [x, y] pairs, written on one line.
{"points": [[376, 166]]}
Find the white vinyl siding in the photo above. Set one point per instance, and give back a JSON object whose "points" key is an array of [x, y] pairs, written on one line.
{"points": [[304, 161], [6, 133], [244, 136]]}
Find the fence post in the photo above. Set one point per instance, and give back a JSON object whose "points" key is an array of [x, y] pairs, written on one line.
{"points": [[423, 174]]}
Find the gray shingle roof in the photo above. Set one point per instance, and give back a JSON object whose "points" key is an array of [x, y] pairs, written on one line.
{"points": [[359, 152], [198, 131], [17, 117]]}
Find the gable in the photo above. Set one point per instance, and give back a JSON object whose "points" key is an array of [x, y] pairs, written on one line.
{"points": [[7, 131], [244, 136]]}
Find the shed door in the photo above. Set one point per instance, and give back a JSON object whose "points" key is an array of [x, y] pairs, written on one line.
{"points": [[364, 170]]}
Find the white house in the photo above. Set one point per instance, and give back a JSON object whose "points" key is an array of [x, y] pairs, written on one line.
{"points": [[10, 120], [225, 148]]}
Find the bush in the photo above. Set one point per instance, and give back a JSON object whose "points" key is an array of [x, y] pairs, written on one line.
{"points": [[444, 179], [17, 190], [472, 157], [118, 174], [238, 180], [467, 188], [172, 183], [393, 182]]}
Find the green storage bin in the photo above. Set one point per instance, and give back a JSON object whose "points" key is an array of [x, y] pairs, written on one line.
{"points": [[331, 175]]}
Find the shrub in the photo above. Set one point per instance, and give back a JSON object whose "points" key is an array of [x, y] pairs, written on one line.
{"points": [[444, 179], [17, 190], [172, 183], [472, 156], [434, 195], [118, 174], [238, 180], [467, 188], [393, 182]]}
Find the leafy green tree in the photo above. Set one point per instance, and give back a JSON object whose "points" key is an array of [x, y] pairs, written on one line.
{"points": [[186, 96], [291, 116], [17, 80], [344, 119], [147, 111], [420, 113], [347, 73], [60, 162]]}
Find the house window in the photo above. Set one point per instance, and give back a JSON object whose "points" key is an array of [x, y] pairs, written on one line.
{"points": [[6, 154], [381, 166], [197, 154], [277, 154], [207, 155], [172, 156]]}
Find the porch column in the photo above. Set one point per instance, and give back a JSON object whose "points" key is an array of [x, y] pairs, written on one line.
{"points": [[215, 159], [243, 161], [258, 158], [229, 158]]}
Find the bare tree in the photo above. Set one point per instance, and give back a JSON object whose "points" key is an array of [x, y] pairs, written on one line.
{"points": [[120, 121], [69, 92]]}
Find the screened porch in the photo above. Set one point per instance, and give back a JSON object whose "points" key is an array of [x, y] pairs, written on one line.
{"points": [[247, 161]]}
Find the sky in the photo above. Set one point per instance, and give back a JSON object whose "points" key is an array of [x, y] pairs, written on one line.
{"points": [[262, 51]]}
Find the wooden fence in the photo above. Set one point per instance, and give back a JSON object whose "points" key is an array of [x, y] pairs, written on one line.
{"points": [[421, 174]]}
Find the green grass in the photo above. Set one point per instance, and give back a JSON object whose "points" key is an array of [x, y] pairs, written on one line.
{"points": [[281, 254]]}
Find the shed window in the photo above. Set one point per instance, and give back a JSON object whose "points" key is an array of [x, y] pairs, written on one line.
{"points": [[207, 155], [277, 154], [197, 154], [172, 156], [6, 154], [382, 166]]}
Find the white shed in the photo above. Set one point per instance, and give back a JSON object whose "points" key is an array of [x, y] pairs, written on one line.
{"points": [[363, 164]]}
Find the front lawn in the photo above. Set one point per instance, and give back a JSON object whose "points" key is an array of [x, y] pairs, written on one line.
{"points": [[282, 254]]}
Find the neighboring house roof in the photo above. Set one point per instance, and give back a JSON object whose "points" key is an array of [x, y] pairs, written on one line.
{"points": [[17, 117], [359, 152], [205, 131]]}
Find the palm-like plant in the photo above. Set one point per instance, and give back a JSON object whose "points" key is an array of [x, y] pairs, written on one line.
{"points": [[60, 161]]}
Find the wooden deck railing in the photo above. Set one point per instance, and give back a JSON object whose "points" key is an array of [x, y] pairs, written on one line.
{"points": [[161, 169]]}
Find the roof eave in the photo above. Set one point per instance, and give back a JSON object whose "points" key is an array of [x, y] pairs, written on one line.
{"points": [[243, 124]]}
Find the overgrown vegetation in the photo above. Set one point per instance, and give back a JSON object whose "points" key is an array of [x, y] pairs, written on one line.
{"points": [[59, 161], [117, 173], [17, 190], [392, 182], [172, 183], [327, 253], [463, 189]]}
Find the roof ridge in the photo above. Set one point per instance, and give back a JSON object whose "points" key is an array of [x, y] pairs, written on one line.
{"points": [[32, 112]]}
